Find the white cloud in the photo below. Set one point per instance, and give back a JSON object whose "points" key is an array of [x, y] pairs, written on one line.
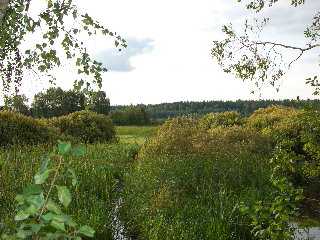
{"points": [[121, 61]]}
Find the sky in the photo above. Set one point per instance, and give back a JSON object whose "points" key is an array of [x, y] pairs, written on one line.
{"points": [[168, 57]]}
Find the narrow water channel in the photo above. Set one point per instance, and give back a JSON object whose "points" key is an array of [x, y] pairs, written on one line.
{"points": [[312, 233], [117, 225]]}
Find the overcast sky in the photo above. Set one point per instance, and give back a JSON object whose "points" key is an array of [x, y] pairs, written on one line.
{"points": [[169, 43]]}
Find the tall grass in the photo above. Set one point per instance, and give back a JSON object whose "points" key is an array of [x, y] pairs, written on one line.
{"points": [[194, 196], [99, 172]]}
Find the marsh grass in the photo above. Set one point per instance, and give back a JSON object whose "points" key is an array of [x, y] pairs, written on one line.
{"points": [[99, 173], [193, 196]]}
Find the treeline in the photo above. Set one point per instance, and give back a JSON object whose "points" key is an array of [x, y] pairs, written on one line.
{"points": [[130, 115], [243, 107], [55, 102]]}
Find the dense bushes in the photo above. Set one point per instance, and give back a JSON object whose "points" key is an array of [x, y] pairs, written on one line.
{"points": [[214, 132], [221, 176], [86, 126], [82, 126], [19, 129]]}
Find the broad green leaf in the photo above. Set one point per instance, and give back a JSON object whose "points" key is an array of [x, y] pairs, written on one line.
{"points": [[64, 195], [31, 190], [23, 233], [32, 210], [40, 178], [47, 217], [36, 200], [59, 218], [20, 198], [35, 227], [70, 222], [44, 164], [64, 148], [79, 150], [86, 230], [50, 236], [51, 206], [58, 225], [21, 215]]}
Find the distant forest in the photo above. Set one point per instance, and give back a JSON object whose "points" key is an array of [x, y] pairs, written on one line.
{"points": [[243, 107]]}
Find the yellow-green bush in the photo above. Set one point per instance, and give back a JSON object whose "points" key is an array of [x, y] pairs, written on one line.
{"points": [[212, 120], [210, 133], [271, 117], [86, 126], [18, 129], [174, 136]]}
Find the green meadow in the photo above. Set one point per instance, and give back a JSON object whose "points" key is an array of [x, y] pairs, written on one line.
{"points": [[135, 134], [217, 176]]}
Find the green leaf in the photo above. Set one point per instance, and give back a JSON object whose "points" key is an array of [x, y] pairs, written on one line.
{"points": [[31, 190], [23, 233], [44, 164], [64, 195], [47, 217], [73, 176], [35, 227], [59, 218], [20, 198], [86, 230], [74, 182], [32, 210], [58, 225], [40, 178], [36, 200], [70, 222], [51, 206], [79, 150], [64, 148], [21, 215]]}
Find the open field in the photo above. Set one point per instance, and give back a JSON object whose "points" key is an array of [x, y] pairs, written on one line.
{"points": [[135, 134]]}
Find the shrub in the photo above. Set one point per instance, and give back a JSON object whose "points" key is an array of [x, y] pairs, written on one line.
{"points": [[210, 133], [18, 129], [270, 117], [175, 136], [239, 138], [86, 126], [212, 120]]}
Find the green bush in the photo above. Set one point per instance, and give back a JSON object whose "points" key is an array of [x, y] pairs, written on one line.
{"points": [[218, 133], [212, 120], [175, 136], [86, 126], [265, 119], [18, 129]]}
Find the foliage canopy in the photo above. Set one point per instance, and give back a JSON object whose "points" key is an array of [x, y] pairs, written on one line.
{"points": [[59, 41], [248, 57]]}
